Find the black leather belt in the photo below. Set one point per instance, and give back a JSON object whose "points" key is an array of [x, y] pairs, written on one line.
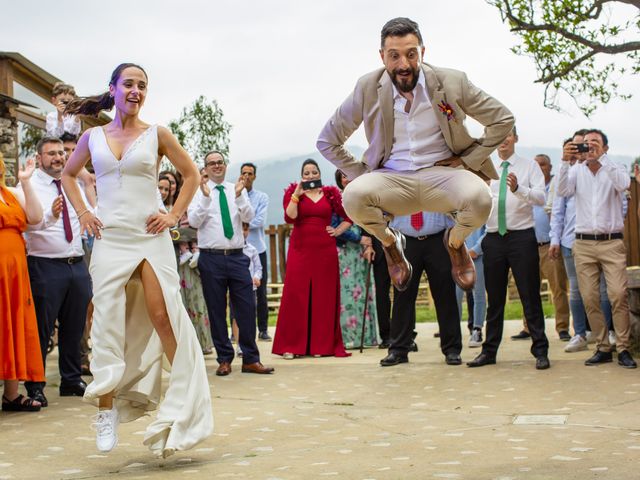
{"points": [[215, 251], [542, 244], [67, 260], [599, 236], [424, 237]]}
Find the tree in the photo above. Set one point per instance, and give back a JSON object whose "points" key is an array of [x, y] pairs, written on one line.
{"points": [[30, 136], [202, 128], [570, 41]]}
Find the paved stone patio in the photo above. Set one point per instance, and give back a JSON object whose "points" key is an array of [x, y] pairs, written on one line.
{"points": [[351, 419]]}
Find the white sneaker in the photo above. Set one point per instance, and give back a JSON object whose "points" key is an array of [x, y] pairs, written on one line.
{"points": [[612, 338], [185, 257], [238, 352], [475, 340], [288, 356], [106, 427], [194, 260], [591, 338], [576, 344]]}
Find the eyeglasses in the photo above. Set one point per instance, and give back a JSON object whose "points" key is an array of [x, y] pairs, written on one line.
{"points": [[218, 163]]}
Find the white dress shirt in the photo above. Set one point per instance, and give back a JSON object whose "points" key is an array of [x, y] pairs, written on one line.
{"points": [[47, 238], [418, 140], [519, 205], [598, 200], [204, 214], [69, 124]]}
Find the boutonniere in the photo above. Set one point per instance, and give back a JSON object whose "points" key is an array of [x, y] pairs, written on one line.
{"points": [[447, 110]]}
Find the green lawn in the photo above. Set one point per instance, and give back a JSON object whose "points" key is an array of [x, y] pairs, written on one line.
{"points": [[513, 311]]}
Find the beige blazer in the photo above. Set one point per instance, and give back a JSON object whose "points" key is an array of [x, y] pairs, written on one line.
{"points": [[371, 103]]}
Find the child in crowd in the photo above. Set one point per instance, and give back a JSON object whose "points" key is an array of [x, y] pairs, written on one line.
{"points": [[255, 270], [189, 250], [57, 122]]}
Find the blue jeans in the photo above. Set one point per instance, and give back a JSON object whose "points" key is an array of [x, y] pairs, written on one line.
{"points": [[479, 298], [575, 300]]}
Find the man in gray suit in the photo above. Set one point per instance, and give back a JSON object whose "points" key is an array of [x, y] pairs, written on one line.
{"points": [[420, 156]]}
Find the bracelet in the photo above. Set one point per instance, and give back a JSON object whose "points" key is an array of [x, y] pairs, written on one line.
{"points": [[295, 198], [86, 210]]}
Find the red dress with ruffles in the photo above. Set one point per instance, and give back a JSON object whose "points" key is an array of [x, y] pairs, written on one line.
{"points": [[20, 357], [309, 315]]}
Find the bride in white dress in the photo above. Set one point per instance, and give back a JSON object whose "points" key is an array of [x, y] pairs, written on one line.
{"points": [[138, 312]]}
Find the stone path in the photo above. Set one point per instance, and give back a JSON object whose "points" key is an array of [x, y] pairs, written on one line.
{"points": [[351, 419]]}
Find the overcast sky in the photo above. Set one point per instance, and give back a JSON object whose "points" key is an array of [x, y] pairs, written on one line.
{"points": [[280, 68]]}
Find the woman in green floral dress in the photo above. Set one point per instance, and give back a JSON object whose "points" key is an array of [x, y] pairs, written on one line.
{"points": [[354, 254]]}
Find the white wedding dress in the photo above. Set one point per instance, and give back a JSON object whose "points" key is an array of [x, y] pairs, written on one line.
{"points": [[127, 353]]}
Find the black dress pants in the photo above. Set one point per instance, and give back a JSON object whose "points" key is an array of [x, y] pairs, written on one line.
{"points": [[261, 294], [517, 250], [383, 290], [427, 255], [60, 291]]}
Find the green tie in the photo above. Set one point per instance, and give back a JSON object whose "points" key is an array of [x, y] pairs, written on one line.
{"points": [[502, 200], [224, 211]]}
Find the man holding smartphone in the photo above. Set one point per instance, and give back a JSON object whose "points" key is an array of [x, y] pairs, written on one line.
{"points": [[421, 156]]}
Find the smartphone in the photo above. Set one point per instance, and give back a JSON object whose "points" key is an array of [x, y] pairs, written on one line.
{"points": [[311, 184], [582, 147]]}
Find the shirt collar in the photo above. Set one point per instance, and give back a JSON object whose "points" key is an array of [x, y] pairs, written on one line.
{"points": [[511, 160], [45, 177]]}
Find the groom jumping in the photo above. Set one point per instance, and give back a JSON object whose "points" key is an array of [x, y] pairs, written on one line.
{"points": [[421, 156]]}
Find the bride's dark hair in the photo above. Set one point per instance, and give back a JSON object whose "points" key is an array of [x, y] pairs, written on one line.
{"points": [[94, 105]]}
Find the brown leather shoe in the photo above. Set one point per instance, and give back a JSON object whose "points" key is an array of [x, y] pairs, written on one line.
{"points": [[256, 368], [462, 268], [397, 264], [224, 369]]}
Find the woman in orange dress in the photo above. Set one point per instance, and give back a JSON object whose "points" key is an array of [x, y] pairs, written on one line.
{"points": [[20, 357]]}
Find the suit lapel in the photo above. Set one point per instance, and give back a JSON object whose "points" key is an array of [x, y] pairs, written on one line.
{"points": [[385, 94], [437, 95]]}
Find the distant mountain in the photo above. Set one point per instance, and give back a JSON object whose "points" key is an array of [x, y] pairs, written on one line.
{"points": [[275, 175]]}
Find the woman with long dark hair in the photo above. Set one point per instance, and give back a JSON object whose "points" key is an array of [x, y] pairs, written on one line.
{"points": [[135, 283], [309, 315]]}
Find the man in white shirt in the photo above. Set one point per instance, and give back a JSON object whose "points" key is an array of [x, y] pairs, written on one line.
{"points": [[60, 281], [421, 156], [260, 203], [511, 243], [217, 211], [597, 184]]}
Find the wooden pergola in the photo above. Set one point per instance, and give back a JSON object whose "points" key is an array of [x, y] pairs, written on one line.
{"points": [[14, 68]]}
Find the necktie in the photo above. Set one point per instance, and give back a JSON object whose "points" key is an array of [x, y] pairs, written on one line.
{"points": [[417, 221], [227, 227], [502, 200], [68, 234]]}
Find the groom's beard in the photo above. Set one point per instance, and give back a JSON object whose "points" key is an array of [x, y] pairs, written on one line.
{"points": [[405, 79]]}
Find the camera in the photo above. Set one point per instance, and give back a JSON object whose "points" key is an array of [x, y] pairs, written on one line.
{"points": [[311, 184], [582, 147]]}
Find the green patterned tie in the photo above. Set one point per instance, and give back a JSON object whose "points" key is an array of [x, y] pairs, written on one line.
{"points": [[502, 200], [227, 226]]}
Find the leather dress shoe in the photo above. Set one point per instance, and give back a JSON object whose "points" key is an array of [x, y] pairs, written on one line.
{"points": [[453, 359], [393, 359], [626, 360], [413, 347], [542, 362], [384, 344], [462, 269], [599, 357], [39, 396], [256, 368], [223, 369], [397, 264], [521, 336], [482, 360], [72, 389], [564, 336]]}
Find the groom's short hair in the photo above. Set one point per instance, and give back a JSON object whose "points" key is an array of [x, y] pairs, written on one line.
{"points": [[399, 27]]}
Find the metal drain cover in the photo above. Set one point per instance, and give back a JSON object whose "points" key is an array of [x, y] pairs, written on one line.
{"points": [[540, 419]]}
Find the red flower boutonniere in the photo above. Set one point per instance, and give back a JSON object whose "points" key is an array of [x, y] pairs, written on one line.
{"points": [[447, 110]]}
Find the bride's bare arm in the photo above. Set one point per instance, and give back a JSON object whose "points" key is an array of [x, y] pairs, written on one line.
{"points": [[169, 146], [75, 164]]}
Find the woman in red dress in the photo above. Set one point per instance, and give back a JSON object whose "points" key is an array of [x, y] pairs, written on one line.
{"points": [[20, 357], [309, 316]]}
